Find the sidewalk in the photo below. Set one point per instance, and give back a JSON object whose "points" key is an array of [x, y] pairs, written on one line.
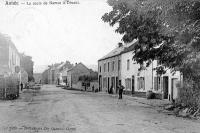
{"points": [[150, 102]]}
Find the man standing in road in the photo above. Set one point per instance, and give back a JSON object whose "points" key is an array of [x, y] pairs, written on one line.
{"points": [[121, 88]]}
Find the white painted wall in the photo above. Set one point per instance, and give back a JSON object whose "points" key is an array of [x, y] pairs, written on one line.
{"points": [[148, 74]]}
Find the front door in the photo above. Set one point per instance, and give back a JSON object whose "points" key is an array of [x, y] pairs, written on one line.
{"points": [[165, 87], [108, 84], [100, 83], [116, 84], [133, 84], [113, 84], [174, 91]]}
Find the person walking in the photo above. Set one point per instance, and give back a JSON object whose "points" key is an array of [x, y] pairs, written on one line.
{"points": [[21, 86], [121, 88]]}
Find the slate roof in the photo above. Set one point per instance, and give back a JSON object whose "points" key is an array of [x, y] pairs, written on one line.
{"points": [[119, 50]]}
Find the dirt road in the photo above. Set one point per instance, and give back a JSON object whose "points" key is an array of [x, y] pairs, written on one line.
{"points": [[55, 110]]}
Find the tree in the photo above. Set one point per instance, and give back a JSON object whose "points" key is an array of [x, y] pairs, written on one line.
{"points": [[27, 63], [167, 30]]}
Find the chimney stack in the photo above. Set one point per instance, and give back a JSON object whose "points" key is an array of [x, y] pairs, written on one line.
{"points": [[120, 44]]}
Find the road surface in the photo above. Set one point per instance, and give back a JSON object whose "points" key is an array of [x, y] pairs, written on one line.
{"points": [[54, 110]]}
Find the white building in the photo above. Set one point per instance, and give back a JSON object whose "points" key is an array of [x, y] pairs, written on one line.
{"points": [[144, 80]]}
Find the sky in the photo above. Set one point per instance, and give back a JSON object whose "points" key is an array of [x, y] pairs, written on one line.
{"points": [[55, 33]]}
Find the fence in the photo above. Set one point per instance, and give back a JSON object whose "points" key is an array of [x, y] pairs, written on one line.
{"points": [[9, 86]]}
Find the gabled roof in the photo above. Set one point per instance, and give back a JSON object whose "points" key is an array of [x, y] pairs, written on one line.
{"points": [[78, 65], [113, 53], [130, 48], [117, 51]]}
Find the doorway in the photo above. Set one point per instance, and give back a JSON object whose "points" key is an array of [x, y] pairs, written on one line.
{"points": [[100, 83], [117, 84], [108, 84], [174, 91], [113, 84], [165, 87], [133, 84]]}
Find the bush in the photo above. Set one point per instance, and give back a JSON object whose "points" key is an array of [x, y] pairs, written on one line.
{"points": [[189, 94]]}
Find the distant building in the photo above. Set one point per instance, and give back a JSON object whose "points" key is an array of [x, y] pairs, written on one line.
{"points": [[24, 77], [74, 73], [54, 74], [27, 64], [45, 76], [37, 77]]}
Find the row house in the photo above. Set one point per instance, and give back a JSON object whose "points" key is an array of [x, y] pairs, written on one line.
{"points": [[74, 73], [79, 71], [54, 73], [9, 57], [109, 68], [136, 81], [10, 75]]}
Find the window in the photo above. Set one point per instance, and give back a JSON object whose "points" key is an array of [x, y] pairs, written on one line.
{"points": [[100, 69], [104, 82], [141, 83], [119, 64], [128, 83], [113, 66], [128, 64], [157, 83], [108, 66], [104, 67]]}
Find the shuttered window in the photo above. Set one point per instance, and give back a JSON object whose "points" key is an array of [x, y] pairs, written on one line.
{"points": [[157, 83], [128, 83], [105, 82], [141, 83]]}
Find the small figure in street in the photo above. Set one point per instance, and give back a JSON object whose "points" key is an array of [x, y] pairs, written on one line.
{"points": [[121, 88], [21, 86]]}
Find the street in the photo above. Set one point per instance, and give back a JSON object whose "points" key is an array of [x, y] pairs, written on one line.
{"points": [[56, 110]]}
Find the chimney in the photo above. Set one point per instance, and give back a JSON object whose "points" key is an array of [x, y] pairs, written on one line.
{"points": [[120, 44]]}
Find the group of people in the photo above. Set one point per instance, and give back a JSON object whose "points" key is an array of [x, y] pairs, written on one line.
{"points": [[120, 89]]}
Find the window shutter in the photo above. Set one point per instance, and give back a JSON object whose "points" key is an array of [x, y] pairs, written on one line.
{"points": [[155, 83]]}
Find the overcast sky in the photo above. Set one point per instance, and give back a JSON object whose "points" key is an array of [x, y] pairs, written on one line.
{"points": [[56, 33]]}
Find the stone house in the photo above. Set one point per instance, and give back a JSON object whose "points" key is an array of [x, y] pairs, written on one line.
{"points": [[147, 79], [74, 73], [9, 57], [55, 72], [109, 69], [118, 66], [10, 75]]}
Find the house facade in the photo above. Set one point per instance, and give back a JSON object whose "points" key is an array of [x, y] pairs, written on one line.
{"points": [[74, 73], [109, 70], [133, 79], [9, 58], [147, 79], [10, 75]]}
